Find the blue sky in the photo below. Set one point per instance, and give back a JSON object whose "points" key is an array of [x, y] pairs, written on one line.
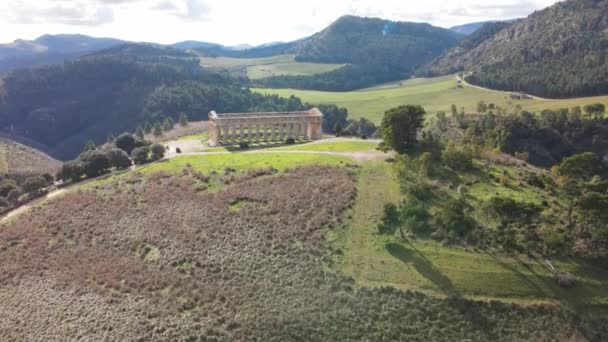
{"points": [[233, 22]]}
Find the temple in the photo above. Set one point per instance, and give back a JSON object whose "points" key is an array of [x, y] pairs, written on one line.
{"points": [[234, 128]]}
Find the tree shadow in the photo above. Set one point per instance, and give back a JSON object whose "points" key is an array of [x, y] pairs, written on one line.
{"points": [[423, 266], [526, 279]]}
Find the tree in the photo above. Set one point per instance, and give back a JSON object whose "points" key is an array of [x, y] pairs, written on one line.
{"points": [[415, 219], [89, 146], [95, 163], [168, 124], [71, 171], [457, 159], [580, 167], [139, 132], [482, 107], [158, 151], [33, 185], [111, 139], [147, 128], [595, 110], [157, 130], [333, 114], [390, 220], [400, 127], [140, 155], [126, 142], [183, 119], [119, 159], [13, 196], [338, 128], [454, 110], [453, 218]]}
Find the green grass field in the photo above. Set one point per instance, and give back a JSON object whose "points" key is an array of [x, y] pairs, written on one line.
{"points": [[434, 94], [375, 260], [242, 162], [334, 146], [256, 68]]}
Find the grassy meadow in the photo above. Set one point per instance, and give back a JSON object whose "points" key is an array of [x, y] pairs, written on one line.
{"points": [[434, 94], [256, 68]]}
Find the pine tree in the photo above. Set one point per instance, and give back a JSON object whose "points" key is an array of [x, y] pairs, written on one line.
{"points": [[183, 119], [168, 124], [90, 146], [139, 132], [157, 130]]}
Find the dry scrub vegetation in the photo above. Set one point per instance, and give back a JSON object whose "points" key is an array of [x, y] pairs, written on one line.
{"points": [[22, 161], [158, 258]]}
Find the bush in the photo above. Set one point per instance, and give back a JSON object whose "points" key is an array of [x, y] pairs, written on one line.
{"points": [[290, 141], [158, 151], [505, 180], [454, 220], [390, 220], [33, 185], [140, 155], [119, 159], [244, 145], [178, 150], [126, 142], [6, 186]]}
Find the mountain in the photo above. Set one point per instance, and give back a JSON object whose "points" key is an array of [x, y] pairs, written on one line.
{"points": [[561, 51], [49, 49], [458, 58], [470, 28], [61, 107], [375, 50]]}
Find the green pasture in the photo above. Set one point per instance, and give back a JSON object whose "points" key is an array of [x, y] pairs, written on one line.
{"points": [[256, 68], [434, 94], [242, 162], [334, 146]]}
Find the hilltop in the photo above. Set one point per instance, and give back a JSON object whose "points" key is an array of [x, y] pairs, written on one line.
{"points": [[375, 51]]}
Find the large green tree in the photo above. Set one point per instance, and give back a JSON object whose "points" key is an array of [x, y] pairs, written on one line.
{"points": [[400, 127]]}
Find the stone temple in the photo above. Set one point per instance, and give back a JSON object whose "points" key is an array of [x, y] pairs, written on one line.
{"points": [[234, 128]]}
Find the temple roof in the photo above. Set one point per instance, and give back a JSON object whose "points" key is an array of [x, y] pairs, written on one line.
{"points": [[314, 112]]}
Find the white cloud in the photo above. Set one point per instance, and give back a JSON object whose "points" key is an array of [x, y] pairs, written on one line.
{"points": [[233, 21]]}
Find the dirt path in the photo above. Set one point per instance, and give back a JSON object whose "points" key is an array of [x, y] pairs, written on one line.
{"points": [[464, 82]]}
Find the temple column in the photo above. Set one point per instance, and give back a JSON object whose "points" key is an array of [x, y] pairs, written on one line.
{"points": [[233, 135], [273, 132], [290, 127], [257, 133], [265, 132]]}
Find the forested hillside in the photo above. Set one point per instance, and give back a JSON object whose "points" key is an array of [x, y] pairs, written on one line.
{"points": [[106, 93], [557, 52], [458, 58], [376, 50]]}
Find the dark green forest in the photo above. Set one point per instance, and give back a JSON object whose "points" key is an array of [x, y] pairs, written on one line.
{"points": [[113, 91]]}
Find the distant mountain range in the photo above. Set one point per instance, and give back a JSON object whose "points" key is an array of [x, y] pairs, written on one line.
{"points": [[53, 49]]}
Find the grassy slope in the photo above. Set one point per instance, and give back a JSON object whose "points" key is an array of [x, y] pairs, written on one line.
{"points": [[3, 161], [339, 146], [435, 94], [242, 162], [270, 66], [374, 260]]}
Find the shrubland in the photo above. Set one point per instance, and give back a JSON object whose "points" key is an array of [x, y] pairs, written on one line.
{"points": [[158, 257]]}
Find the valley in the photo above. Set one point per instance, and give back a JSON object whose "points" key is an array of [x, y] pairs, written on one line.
{"points": [[357, 179], [435, 94]]}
